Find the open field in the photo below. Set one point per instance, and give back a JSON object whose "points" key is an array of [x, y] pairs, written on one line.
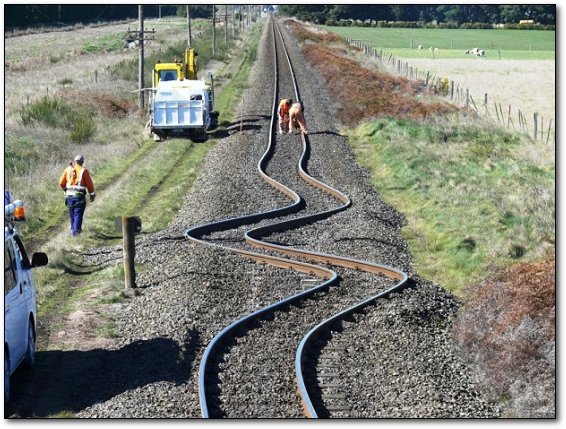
{"points": [[541, 44], [526, 85], [522, 78]]}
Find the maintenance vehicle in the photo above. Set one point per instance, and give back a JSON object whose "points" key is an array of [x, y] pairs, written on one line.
{"points": [[180, 104], [20, 308]]}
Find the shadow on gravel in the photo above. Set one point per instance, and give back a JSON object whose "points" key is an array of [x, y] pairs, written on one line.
{"points": [[70, 381], [330, 133]]}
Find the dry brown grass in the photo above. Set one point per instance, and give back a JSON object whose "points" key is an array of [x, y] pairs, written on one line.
{"points": [[525, 85], [302, 33], [370, 94], [507, 328], [55, 64], [107, 104]]}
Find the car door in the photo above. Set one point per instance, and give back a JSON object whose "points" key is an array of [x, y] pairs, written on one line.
{"points": [[15, 306]]}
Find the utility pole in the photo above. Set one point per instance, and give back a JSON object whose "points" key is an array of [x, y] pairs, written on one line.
{"points": [[140, 37], [189, 25], [213, 31], [140, 60]]}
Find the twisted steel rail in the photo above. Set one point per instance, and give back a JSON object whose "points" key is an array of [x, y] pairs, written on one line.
{"points": [[253, 237]]}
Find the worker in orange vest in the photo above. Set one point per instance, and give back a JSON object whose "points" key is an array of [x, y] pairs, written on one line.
{"points": [[76, 181], [283, 113], [296, 118]]}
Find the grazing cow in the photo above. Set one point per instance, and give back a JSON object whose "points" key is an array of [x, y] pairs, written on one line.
{"points": [[481, 53]]}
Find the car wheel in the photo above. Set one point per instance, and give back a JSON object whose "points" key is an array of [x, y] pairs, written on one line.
{"points": [[30, 352], [6, 377]]}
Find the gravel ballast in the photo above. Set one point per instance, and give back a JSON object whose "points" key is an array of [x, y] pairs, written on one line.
{"points": [[397, 359]]}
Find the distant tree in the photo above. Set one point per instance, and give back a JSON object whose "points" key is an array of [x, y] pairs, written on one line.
{"points": [[458, 13], [197, 11], [340, 11], [513, 13]]}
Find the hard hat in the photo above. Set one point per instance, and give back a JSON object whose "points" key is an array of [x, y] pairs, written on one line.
{"points": [[79, 158]]}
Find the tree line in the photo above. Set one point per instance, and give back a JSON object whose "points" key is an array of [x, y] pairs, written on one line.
{"points": [[28, 15], [457, 14]]}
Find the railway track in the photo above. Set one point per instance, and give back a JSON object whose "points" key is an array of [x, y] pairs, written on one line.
{"points": [[363, 281], [392, 359]]}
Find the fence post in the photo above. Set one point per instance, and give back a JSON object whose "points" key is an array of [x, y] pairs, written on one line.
{"points": [[497, 112], [451, 90], [548, 133], [467, 98], [509, 116], [535, 117], [474, 103], [129, 226]]}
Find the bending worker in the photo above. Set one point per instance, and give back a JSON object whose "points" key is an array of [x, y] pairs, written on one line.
{"points": [[76, 181], [296, 118], [283, 113]]}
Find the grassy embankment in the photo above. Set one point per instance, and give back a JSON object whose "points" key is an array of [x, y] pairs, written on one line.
{"points": [[476, 196], [479, 201], [403, 42], [471, 198], [148, 180]]}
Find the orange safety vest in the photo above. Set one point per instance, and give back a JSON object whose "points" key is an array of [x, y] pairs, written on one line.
{"points": [[76, 181]]}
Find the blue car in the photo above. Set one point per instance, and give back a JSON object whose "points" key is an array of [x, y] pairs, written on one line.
{"points": [[19, 301]]}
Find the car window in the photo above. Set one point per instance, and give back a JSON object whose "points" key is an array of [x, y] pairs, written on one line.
{"points": [[20, 248], [9, 268]]}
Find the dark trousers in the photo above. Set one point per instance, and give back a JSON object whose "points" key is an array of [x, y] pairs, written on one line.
{"points": [[77, 206]]}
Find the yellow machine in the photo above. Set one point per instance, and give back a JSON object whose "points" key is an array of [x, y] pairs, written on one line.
{"points": [[177, 71]]}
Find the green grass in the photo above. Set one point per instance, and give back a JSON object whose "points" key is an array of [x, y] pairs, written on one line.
{"points": [[108, 43], [513, 44], [470, 202]]}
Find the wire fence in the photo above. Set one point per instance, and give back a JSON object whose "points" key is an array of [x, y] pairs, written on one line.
{"points": [[533, 126]]}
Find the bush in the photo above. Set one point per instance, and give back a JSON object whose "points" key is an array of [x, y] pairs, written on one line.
{"points": [[57, 113], [48, 110], [83, 128], [507, 329], [476, 26]]}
